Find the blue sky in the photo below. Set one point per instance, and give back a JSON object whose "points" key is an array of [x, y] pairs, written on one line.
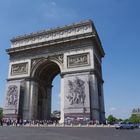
{"points": [[118, 25]]}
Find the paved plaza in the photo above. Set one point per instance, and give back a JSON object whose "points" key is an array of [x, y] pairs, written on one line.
{"points": [[67, 133]]}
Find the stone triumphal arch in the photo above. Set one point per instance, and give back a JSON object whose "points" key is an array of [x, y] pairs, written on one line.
{"points": [[73, 51]]}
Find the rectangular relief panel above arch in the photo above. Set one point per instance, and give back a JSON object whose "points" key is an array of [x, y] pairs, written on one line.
{"points": [[19, 69], [78, 60]]}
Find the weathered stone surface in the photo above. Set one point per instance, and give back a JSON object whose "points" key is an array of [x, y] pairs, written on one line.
{"points": [[74, 52], [12, 97]]}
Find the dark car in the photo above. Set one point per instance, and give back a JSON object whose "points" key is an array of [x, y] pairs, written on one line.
{"points": [[136, 125]]}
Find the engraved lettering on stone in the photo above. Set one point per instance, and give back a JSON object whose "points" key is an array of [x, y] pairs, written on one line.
{"points": [[78, 60], [76, 92], [21, 68]]}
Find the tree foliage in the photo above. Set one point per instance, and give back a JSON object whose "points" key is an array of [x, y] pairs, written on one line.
{"points": [[111, 119], [1, 113], [134, 118], [55, 113]]}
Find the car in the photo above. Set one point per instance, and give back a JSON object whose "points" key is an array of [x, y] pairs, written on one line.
{"points": [[124, 125], [136, 125]]}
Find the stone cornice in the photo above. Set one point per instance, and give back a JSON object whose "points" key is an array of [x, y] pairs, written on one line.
{"points": [[76, 31], [53, 34], [98, 42], [54, 30], [49, 43]]}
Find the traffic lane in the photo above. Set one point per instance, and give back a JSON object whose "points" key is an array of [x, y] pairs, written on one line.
{"points": [[102, 133], [38, 133]]}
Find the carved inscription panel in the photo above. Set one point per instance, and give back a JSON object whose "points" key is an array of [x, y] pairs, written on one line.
{"points": [[20, 68], [78, 60]]}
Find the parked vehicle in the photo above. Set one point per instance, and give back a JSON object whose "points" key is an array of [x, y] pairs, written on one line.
{"points": [[136, 125], [125, 125]]}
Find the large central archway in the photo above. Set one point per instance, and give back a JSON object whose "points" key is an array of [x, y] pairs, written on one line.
{"points": [[44, 73]]}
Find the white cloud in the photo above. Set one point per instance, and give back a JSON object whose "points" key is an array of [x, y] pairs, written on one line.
{"points": [[113, 109], [52, 10], [53, 3]]}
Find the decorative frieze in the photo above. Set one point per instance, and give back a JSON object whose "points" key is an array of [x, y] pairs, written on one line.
{"points": [[78, 60], [19, 69], [52, 35]]}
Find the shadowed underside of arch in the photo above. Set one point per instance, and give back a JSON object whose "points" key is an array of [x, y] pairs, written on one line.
{"points": [[46, 72], [44, 75]]}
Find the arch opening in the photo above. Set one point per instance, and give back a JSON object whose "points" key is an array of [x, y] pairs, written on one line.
{"points": [[44, 76]]}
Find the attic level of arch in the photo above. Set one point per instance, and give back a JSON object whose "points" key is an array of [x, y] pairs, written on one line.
{"points": [[82, 32], [89, 40], [55, 50]]}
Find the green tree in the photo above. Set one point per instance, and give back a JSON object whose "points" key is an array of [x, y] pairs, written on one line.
{"points": [[55, 113], [111, 119], [119, 120], [134, 118], [1, 113]]}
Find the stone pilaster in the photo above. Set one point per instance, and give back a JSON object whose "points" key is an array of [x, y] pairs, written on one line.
{"points": [[62, 84], [33, 100], [47, 112], [26, 100], [102, 105], [94, 98]]}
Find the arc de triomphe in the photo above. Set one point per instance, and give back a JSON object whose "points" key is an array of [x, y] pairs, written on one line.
{"points": [[73, 51]]}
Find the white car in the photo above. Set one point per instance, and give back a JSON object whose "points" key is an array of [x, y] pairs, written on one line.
{"points": [[124, 125]]}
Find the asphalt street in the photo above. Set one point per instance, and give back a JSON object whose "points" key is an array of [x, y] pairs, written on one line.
{"points": [[63, 133]]}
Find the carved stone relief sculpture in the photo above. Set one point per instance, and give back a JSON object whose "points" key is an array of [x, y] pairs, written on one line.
{"points": [[76, 92], [78, 60], [20, 68], [12, 96]]}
